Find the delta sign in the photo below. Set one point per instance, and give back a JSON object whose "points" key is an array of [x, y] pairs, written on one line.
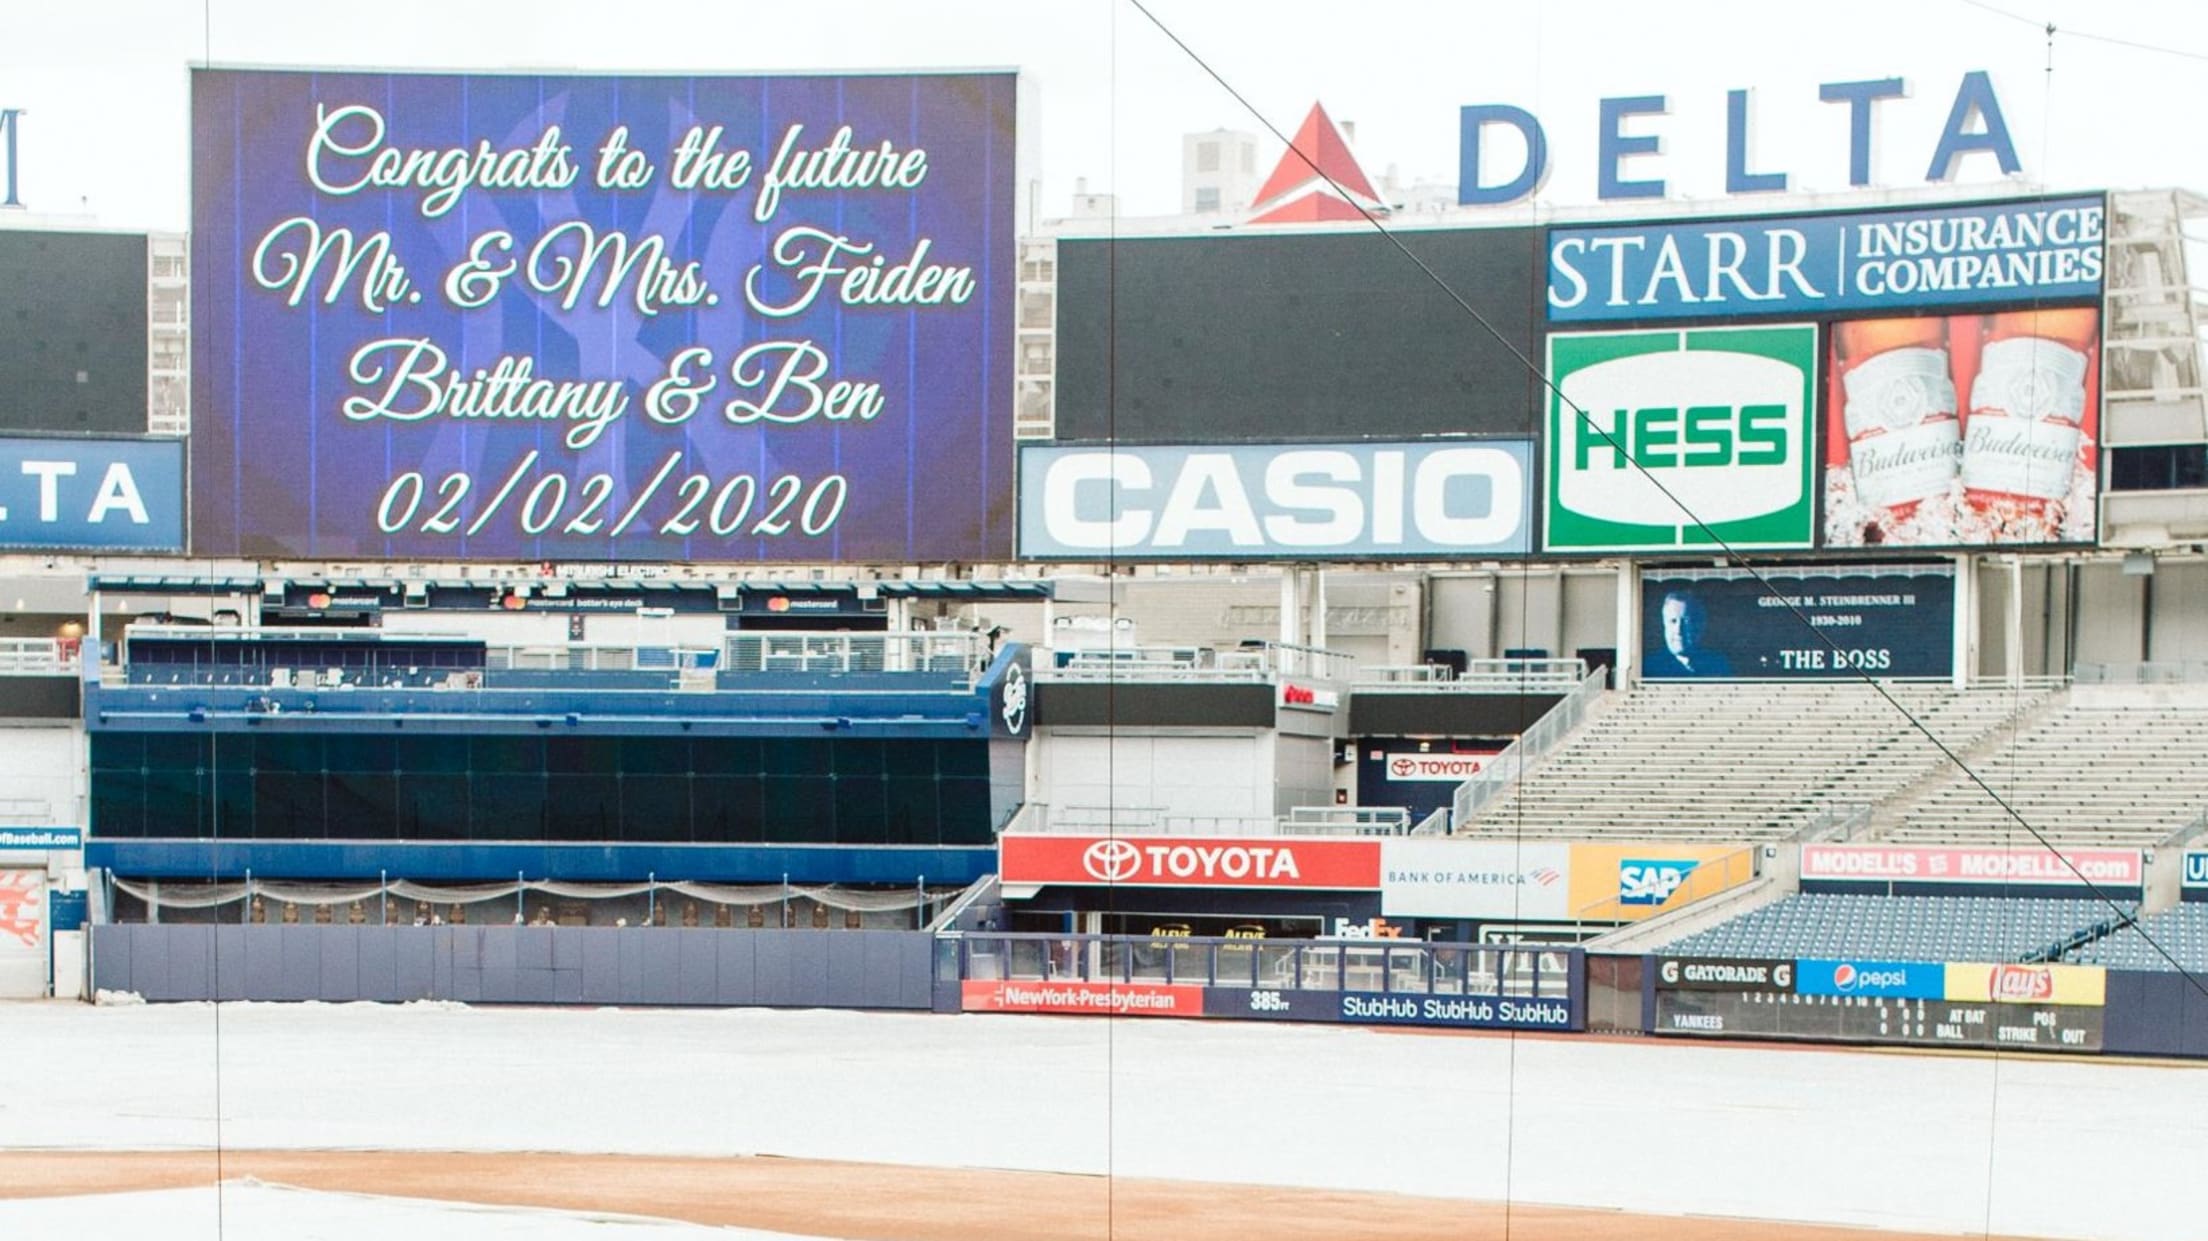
{"points": [[1648, 428], [1630, 127]]}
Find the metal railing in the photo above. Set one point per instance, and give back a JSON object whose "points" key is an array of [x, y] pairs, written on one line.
{"points": [[1526, 752], [1389, 966], [955, 653], [1255, 664], [2146, 672], [27, 657], [1039, 818], [1480, 676], [1839, 821]]}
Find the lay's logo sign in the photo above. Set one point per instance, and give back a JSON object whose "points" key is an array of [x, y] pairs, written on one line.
{"points": [[1647, 881]]}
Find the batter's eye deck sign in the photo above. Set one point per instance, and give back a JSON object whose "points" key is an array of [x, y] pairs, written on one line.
{"points": [[1657, 431]]}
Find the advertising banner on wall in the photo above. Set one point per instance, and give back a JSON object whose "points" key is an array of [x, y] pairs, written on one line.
{"points": [[1039, 859], [1964, 431], [1551, 882], [1991, 254], [602, 318], [1116, 999], [22, 933], [1947, 866], [91, 494], [40, 839], [1430, 498], [1653, 436], [2028, 984], [1725, 623], [1917, 980], [2196, 875]]}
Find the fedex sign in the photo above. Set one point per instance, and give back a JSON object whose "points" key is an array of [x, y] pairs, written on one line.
{"points": [[1626, 130]]}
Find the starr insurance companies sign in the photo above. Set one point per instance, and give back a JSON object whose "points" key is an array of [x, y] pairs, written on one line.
{"points": [[1656, 429]]}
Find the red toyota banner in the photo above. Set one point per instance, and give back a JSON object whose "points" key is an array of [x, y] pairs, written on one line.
{"points": [[2118, 868], [1191, 861], [1114, 998]]}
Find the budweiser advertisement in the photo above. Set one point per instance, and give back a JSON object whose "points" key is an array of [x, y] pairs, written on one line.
{"points": [[1190, 862], [2116, 868], [1963, 430], [1112, 999], [2028, 984]]}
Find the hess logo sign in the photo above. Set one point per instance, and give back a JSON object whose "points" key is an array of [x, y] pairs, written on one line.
{"points": [[1718, 418]]}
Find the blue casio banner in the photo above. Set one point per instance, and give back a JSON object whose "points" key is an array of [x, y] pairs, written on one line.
{"points": [[1978, 255], [106, 495], [1912, 980]]}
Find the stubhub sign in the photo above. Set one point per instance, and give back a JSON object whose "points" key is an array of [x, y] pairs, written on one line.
{"points": [[1428, 498]]}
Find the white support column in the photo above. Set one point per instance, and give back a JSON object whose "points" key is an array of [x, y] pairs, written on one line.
{"points": [[1629, 624], [1966, 619], [1317, 629], [1291, 633], [2015, 619]]}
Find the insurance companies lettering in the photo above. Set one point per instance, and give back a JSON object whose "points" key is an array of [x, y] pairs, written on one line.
{"points": [[1682, 439], [1993, 254]]}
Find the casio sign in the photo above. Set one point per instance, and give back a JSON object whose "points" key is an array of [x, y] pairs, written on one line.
{"points": [[1653, 426], [1643, 882], [1256, 502]]}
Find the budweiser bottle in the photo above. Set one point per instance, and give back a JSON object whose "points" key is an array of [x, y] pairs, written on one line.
{"points": [[2027, 405], [1899, 410]]}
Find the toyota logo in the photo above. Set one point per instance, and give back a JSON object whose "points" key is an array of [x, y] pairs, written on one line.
{"points": [[1112, 861]]}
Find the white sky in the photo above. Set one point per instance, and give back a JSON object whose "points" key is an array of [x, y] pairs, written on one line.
{"points": [[105, 141]]}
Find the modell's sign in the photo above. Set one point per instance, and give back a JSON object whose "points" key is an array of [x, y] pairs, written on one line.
{"points": [[1189, 862], [2118, 868]]}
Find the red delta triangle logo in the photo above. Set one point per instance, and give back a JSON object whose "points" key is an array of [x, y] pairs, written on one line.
{"points": [[1316, 180]]}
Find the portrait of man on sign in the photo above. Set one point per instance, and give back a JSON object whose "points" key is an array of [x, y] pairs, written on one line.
{"points": [[1683, 624]]}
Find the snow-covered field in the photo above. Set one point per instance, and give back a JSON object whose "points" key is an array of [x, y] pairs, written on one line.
{"points": [[251, 1212], [2030, 1146]]}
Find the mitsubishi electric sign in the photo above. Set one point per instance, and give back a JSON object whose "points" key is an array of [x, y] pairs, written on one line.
{"points": [[1656, 429]]}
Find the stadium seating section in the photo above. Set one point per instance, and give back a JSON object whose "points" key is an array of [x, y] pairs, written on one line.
{"points": [[1902, 928], [1741, 762], [2181, 932]]}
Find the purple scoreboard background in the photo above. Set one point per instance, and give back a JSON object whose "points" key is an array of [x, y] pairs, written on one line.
{"points": [[498, 316]]}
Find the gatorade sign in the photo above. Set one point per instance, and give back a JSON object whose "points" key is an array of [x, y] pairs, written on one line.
{"points": [[1713, 422]]}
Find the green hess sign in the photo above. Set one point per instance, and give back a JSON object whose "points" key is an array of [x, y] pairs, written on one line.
{"points": [[1720, 417]]}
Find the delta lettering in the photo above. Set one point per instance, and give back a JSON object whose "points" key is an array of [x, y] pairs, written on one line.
{"points": [[1975, 125]]}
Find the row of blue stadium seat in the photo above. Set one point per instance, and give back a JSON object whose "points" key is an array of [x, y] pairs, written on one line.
{"points": [[2181, 932], [1899, 928]]}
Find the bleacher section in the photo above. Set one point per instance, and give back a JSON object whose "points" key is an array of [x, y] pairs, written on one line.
{"points": [[2093, 772], [1739, 762], [1899, 928], [2182, 932]]}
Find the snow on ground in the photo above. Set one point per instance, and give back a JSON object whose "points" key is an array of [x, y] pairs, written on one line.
{"points": [[256, 1212], [2023, 1145]]}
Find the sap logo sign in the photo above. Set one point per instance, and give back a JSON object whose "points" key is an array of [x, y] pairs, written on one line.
{"points": [[1260, 502], [1643, 882]]}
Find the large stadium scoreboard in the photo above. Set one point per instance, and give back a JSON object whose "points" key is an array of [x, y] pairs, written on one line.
{"points": [[2026, 1007], [1871, 1019]]}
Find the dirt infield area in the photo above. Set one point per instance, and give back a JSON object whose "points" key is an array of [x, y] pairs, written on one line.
{"points": [[884, 1202]]}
